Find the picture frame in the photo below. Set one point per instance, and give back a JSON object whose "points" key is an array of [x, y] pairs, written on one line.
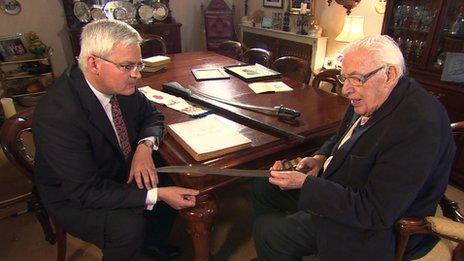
{"points": [[295, 6], [252, 72], [453, 70], [13, 47], [202, 74], [273, 3]]}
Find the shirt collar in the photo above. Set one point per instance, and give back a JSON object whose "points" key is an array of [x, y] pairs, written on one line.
{"points": [[104, 99]]}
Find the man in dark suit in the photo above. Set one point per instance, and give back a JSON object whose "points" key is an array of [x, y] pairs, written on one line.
{"points": [[390, 158], [95, 135]]}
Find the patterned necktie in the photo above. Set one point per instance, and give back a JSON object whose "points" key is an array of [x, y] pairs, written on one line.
{"points": [[120, 126]]}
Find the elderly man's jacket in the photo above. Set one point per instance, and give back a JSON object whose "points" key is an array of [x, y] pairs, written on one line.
{"points": [[80, 170], [396, 165]]}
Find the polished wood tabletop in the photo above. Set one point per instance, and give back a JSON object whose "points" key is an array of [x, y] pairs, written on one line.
{"points": [[321, 113]]}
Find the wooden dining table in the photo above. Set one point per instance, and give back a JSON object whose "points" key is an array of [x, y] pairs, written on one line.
{"points": [[321, 114]]}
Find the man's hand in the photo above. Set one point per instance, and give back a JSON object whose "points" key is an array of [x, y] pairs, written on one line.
{"points": [[287, 179], [143, 169], [313, 163], [178, 197]]}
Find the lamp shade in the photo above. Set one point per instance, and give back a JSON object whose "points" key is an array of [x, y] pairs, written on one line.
{"points": [[353, 29]]}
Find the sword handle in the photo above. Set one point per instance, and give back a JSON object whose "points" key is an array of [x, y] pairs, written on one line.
{"points": [[176, 89], [288, 112]]}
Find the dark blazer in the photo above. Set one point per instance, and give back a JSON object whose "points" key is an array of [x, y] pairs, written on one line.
{"points": [[397, 165], [80, 171]]}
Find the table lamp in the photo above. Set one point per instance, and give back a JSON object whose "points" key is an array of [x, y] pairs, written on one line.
{"points": [[353, 29]]}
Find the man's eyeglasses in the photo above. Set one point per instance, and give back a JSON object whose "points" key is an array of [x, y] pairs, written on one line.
{"points": [[126, 67], [358, 80]]}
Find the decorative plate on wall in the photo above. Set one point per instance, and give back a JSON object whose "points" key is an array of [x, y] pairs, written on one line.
{"points": [[120, 10], [161, 11], [11, 7], [82, 12]]}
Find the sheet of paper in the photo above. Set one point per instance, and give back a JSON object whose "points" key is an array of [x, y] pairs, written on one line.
{"points": [[261, 87]]}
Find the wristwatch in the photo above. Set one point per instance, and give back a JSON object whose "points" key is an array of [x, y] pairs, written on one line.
{"points": [[150, 144]]}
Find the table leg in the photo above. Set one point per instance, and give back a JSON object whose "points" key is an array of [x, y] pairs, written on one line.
{"points": [[199, 221]]}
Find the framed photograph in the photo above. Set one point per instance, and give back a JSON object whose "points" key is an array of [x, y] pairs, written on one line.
{"points": [[273, 3], [453, 70], [295, 5], [13, 47], [209, 74], [254, 72]]}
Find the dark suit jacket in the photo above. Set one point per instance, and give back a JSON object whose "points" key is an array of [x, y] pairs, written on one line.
{"points": [[80, 171], [398, 165]]}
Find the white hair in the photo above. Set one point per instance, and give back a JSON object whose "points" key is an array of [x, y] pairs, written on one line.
{"points": [[383, 49], [101, 36]]}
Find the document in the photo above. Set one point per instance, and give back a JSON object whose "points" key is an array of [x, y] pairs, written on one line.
{"points": [[209, 74], [207, 137], [262, 87]]}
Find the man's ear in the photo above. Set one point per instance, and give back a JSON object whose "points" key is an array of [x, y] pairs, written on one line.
{"points": [[392, 76], [92, 65]]}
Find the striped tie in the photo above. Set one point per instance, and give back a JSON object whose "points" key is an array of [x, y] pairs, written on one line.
{"points": [[120, 126]]}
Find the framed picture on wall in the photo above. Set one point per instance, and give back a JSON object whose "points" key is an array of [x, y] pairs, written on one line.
{"points": [[295, 5], [273, 3], [13, 47]]}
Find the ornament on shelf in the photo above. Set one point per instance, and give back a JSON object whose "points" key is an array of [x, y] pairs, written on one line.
{"points": [[36, 46]]}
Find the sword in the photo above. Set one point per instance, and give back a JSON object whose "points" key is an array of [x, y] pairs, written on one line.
{"points": [[215, 171], [176, 89], [278, 110]]}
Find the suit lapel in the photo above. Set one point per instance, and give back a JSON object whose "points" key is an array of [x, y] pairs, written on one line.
{"points": [[339, 156], [95, 112]]}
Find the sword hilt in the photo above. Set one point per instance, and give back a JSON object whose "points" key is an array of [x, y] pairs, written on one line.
{"points": [[287, 112], [176, 89]]}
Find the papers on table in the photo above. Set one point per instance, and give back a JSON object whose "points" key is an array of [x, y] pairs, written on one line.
{"points": [[261, 87], [252, 72], [173, 102]]}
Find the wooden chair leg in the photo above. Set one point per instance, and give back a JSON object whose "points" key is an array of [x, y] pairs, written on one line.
{"points": [[41, 214], [401, 246], [61, 242]]}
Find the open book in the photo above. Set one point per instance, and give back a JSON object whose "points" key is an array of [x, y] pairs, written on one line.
{"points": [[207, 138]]}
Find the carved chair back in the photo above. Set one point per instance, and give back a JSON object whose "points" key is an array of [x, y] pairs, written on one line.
{"points": [[232, 49], [17, 144], [293, 67], [153, 45], [257, 55], [327, 80], [219, 23]]}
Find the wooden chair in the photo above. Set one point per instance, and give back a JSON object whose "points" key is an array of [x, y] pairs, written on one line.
{"points": [[293, 67], [232, 49], [327, 80], [257, 55], [219, 23], [12, 138], [449, 228], [153, 45]]}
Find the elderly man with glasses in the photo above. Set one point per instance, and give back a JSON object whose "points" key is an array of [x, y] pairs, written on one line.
{"points": [[95, 134], [390, 158]]}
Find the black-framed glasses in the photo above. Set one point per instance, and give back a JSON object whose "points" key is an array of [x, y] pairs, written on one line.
{"points": [[126, 67], [358, 80]]}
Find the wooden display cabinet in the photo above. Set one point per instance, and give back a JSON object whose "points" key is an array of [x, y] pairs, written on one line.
{"points": [[429, 33], [169, 29]]}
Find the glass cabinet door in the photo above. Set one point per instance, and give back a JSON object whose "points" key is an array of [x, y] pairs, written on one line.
{"points": [[412, 25], [449, 40]]}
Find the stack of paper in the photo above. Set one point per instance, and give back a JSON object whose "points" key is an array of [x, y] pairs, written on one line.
{"points": [[207, 138], [156, 63]]}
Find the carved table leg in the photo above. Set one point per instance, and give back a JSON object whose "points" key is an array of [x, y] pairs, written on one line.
{"points": [[199, 220]]}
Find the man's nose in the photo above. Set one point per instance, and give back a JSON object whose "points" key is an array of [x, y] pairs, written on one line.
{"points": [[135, 73], [347, 88]]}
